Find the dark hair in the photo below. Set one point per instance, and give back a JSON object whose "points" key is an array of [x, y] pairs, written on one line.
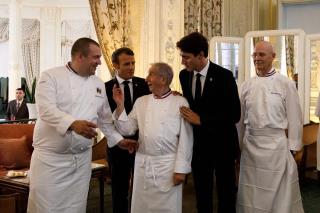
{"points": [[118, 52], [194, 43], [20, 89], [82, 46]]}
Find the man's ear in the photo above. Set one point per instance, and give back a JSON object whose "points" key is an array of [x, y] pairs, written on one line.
{"points": [[201, 54], [116, 66]]}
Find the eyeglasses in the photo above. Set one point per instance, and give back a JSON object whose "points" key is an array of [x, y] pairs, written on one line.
{"points": [[258, 54]]}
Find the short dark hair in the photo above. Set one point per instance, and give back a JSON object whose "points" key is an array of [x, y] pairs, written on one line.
{"points": [[194, 43], [118, 52], [82, 46], [20, 89]]}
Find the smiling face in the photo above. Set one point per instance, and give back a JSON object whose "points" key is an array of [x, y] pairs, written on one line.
{"points": [[125, 66], [155, 81], [90, 62], [263, 57]]}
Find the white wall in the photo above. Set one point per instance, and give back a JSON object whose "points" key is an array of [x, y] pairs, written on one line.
{"points": [[303, 15]]}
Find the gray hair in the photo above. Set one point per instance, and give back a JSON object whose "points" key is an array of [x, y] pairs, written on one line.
{"points": [[164, 70]]}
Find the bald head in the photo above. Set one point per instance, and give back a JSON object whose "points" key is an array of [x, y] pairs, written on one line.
{"points": [[263, 57]]}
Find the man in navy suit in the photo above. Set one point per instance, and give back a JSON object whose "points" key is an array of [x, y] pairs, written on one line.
{"points": [[214, 111], [121, 162], [17, 109]]}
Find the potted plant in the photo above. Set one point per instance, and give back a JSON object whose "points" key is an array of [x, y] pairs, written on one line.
{"points": [[30, 98]]}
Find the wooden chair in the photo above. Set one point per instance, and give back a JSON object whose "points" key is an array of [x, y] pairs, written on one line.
{"points": [[100, 154], [307, 157], [10, 203]]}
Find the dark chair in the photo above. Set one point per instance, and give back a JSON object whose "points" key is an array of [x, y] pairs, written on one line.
{"points": [[307, 157], [10, 203]]}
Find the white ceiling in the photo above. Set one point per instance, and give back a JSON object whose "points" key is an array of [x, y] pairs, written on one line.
{"points": [[50, 3]]}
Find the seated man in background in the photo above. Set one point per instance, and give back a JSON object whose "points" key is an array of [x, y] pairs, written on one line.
{"points": [[165, 143], [17, 109]]}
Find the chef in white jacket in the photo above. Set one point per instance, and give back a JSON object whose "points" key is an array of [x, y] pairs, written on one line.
{"points": [[165, 143], [71, 102], [268, 179]]}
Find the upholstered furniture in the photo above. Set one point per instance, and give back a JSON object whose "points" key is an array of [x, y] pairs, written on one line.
{"points": [[20, 136]]}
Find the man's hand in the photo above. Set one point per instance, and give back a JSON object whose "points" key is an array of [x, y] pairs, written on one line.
{"points": [[129, 144], [84, 128], [178, 178], [118, 98], [190, 116], [175, 93]]}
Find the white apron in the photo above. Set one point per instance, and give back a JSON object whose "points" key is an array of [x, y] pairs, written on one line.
{"points": [[68, 191], [268, 181], [153, 190]]}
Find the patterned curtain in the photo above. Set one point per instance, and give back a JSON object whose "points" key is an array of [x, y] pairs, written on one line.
{"points": [[203, 16], [4, 29], [71, 30], [112, 23], [31, 49], [290, 56]]}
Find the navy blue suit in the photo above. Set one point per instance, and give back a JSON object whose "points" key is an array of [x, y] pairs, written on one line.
{"points": [[21, 113], [215, 141]]}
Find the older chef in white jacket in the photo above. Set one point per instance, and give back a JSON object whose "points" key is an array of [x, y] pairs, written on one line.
{"points": [[71, 102], [268, 173], [165, 144]]}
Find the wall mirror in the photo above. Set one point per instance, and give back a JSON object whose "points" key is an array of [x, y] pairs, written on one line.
{"points": [[228, 53], [289, 61], [312, 74]]}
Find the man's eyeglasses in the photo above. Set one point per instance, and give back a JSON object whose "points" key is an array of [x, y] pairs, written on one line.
{"points": [[258, 54]]}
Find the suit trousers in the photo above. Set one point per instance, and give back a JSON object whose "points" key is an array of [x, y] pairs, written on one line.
{"points": [[121, 164], [203, 171]]}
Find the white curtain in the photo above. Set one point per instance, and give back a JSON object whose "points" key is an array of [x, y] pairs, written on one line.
{"points": [[4, 29], [4, 38], [31, 49], [71, 30]]}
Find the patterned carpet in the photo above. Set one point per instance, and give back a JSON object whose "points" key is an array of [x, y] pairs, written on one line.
{"points": [[310, 191]]}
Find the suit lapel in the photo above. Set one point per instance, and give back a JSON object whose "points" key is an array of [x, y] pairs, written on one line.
{"points": [[189, 83], [135, 88], [209, 80]]}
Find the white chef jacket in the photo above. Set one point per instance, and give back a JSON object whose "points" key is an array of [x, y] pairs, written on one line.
{"points": [[62, 97], [165, 148], [268, 179]]}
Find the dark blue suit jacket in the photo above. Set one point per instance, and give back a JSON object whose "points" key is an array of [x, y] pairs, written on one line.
{"points": [[219, 111]]}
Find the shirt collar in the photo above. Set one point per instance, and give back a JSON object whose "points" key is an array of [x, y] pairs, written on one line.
{"points": [[164, 95], [271, 72], [204, 71], [121, 80], [68, 65]]}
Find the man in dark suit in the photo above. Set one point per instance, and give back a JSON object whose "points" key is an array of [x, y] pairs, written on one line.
{"points": [[121, 162], [17, 109], [214, 110]]}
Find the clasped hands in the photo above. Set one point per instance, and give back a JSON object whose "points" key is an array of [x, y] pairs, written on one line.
{"points": [[87, 130]]}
